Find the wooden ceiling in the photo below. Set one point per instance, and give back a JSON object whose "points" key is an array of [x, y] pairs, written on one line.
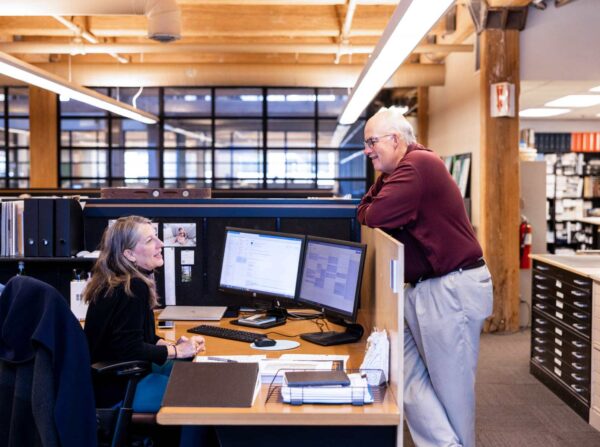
{"points": [[266, 36]]}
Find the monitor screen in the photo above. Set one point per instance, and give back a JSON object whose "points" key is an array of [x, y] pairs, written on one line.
{"points": [[331, 276], [261, 263]]}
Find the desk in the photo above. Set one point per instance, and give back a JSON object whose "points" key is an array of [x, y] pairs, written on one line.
{"points": [[385, 413], [381, 307]]}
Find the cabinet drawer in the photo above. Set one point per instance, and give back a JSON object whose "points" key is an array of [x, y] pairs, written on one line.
{"points": [[576, 320], [542, 271]]}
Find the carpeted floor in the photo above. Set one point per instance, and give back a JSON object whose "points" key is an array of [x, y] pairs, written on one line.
{"points": [[513, 408]]}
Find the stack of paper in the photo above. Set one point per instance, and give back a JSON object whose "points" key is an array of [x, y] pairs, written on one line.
{"points": [[357, 393], [272, 370]]}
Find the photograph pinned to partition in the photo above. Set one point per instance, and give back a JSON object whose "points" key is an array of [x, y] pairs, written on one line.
{"points": [[179, 234]]}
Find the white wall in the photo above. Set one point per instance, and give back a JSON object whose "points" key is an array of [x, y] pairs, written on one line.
{"points": [[561, 44], [454, 122], [561, 125]]}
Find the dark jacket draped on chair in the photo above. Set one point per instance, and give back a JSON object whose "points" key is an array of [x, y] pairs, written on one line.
{"points": [[46, 395]]}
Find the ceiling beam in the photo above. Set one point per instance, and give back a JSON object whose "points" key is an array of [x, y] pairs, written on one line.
{"points": [[80, 48], [290, 75]]}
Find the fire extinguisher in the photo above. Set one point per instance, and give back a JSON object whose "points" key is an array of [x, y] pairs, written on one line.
{"points": [[525, 243]]}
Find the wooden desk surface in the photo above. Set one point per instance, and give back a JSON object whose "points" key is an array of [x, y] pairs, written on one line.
{"points": [[273, 413]]}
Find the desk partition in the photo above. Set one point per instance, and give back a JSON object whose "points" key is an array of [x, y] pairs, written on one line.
{"points": [[197, 283]]}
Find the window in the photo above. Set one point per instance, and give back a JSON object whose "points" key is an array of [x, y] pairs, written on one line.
{"points": [[218, 138]]}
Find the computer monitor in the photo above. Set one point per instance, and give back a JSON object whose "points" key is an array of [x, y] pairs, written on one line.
{"points": [[262, 265], [330, 281]]}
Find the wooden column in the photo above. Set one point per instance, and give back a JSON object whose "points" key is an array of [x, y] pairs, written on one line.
{"points": [[423, 114], [500, 178], [43, 141]]}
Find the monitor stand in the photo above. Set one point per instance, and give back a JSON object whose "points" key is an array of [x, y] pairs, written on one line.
{"points": [[352, 334]]}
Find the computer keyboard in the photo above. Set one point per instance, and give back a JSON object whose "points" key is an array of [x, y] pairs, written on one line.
{"points": [[222, 332]]}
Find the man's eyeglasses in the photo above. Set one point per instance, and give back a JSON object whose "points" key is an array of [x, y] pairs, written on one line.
{"points": [[371, 142]]}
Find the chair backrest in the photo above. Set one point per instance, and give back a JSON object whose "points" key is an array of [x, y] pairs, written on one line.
{"points": [[41, 340]]}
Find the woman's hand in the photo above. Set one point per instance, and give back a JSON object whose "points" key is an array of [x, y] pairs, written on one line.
{"points": [[187, 348]]}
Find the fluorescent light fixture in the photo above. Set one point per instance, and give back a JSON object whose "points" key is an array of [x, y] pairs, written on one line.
{"points": [[595, 89], [22, 71], [411, 20], [542, 113], [575, 101]]}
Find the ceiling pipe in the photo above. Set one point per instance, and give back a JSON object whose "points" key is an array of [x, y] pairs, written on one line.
{"points": [[164, 16], [71, 48], [346, 28], [79, 31]]}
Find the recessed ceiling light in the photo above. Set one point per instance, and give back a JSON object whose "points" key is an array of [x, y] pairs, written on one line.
{"points": [[575, 101], [595, 89], [542, 113]]}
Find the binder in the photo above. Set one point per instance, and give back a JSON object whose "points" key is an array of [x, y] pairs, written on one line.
{"points": [[69, 227], [30, 227], [226, 384], [46, 227]]}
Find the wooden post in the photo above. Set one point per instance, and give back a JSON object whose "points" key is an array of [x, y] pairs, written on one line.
{"points": [[43, 141], [500, 215], [423, 114]]}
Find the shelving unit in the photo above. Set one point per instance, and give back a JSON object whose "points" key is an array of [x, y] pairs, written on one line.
{"points": [[572, 190]]}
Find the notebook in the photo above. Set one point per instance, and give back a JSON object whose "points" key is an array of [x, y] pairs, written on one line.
{"points": [[192, 313], [219, 384]]}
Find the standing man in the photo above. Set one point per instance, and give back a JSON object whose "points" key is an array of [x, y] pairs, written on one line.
{"points": [[449, 291]]}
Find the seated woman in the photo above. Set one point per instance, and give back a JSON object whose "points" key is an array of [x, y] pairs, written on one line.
{"points": [[119, 323]]}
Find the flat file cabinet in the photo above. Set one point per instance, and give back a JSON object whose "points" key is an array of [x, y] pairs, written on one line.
{"points": [[561, 334]]}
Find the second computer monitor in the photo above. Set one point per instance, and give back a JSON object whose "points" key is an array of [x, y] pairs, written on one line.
{"points": [[331, 276], [261, 263]]}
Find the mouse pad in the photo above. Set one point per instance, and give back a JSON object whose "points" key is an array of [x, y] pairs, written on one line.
{"points": [[280, 345]]}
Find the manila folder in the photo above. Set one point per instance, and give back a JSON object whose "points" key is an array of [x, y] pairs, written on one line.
{"points": [[225, 384]]}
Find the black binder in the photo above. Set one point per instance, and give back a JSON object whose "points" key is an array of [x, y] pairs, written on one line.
{"points": [[30, 227], [69, 227], [46, 227], [226, 384]]}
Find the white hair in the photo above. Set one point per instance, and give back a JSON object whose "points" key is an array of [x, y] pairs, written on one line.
{"points": [[395, 119]]}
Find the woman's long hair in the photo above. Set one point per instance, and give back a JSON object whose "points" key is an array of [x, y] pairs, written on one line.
{"points": [[112, 268]]}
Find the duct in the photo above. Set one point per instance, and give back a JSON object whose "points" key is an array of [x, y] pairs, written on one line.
{"points": [[164, 16]]}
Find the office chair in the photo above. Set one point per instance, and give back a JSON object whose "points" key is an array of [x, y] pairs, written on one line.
{"points": [[46, 393]]}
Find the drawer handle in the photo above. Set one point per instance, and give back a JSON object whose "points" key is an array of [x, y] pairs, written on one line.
{"points": [[580, 316], [541, 297], [578, 388], [541, 287], [543, 268], [539, 359], [579, 282], [578, 344], [576, 293], [578, 377], [538, 349], [540, 331], [539, 277], [577, 366], [578, 356], [580, 304], [541, 306], [579, 327], [541, 322], [541, 341]]}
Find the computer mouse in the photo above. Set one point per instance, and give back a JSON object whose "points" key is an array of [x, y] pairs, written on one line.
{"points": [[264, 342]]}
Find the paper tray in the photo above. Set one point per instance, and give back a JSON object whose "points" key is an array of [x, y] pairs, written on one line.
{"points": [[373, 393]]}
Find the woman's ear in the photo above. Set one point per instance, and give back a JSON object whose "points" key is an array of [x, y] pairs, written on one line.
{"points": [[129, 255]]}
